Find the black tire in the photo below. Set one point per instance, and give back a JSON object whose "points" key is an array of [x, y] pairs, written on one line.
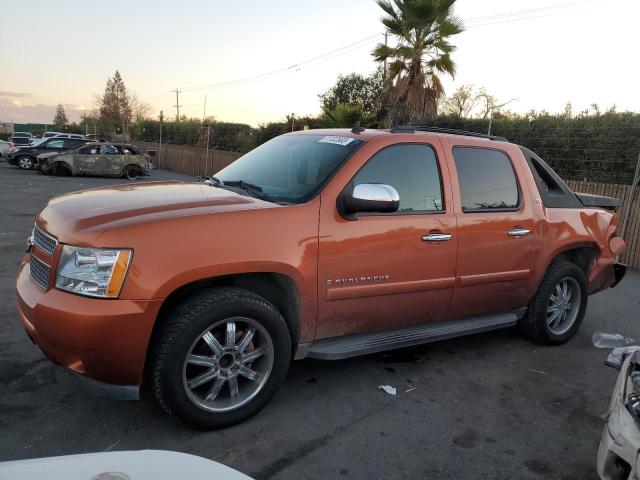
{"points": [[194, 315], [60, 170], [25, 162], [132, 172], [535, 325]]}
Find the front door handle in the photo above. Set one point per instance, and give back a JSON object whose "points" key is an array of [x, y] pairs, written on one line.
{"points": [[437, 237], [519, 232]]}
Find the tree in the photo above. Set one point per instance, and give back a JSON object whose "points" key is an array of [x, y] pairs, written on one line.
{"points": [[355, 90], [461, 102], [345, 115], [422, 28], [489, 103], [60, 119], [140, 109], [115, 106]]}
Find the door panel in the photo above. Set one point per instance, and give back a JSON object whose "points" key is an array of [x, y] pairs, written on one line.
{"points": [[111, 161], [377, 272], [85, 160], [495, 228]]}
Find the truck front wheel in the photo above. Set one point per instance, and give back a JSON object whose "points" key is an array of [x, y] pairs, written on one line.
{"points": [[220, 357], [558, 307]]}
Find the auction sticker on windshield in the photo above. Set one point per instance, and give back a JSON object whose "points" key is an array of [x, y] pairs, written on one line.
{"points": [[344, 141]]}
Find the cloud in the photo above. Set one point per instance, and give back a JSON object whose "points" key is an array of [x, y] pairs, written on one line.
{"points": [[16, 94], [12, 110]]}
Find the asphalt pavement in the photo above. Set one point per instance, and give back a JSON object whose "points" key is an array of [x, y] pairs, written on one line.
{"points": [[488, 406]]}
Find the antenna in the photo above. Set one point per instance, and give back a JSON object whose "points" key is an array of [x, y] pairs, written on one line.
{"points": [[357, 128]]}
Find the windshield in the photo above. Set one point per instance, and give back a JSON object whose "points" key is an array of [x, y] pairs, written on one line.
{"points": [[36, 143], [291, 168]]}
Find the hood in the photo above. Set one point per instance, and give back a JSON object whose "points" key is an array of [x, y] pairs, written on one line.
{"points": [[92, 211]]}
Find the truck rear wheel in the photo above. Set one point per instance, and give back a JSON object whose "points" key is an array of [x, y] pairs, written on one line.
{"points": [[558, 307], [220, 357]]}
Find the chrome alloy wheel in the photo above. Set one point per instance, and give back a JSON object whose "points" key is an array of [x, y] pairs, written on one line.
{"points": [[228, 364], [564, 305]]}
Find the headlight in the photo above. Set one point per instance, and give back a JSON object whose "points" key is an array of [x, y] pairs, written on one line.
{"points": [[95, 272]]}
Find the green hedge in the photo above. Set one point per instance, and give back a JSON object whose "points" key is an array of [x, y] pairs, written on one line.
{"points": [[599, 148]]}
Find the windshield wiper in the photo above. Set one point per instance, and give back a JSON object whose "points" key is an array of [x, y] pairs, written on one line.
{"points": [[216, 181], [253, 189]]}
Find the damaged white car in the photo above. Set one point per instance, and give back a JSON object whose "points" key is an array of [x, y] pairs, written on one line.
{"points": [[620, 443]]}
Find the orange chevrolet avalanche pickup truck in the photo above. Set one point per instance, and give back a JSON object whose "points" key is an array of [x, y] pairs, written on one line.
{"points": [[323, 244]]}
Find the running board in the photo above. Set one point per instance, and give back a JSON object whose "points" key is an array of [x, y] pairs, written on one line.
{"points": [[364, 343]]}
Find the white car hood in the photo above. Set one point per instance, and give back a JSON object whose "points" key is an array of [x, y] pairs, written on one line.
{"points": [[134, 465]]}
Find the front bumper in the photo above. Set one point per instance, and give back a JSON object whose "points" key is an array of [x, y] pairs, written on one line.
{"points": [[104, 340]]}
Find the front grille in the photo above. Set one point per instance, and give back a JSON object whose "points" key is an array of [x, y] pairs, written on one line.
{"points": [[39, 271], [43, 240]]}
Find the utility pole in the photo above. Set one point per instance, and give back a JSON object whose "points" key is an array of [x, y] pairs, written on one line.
{"points": [[177, 105], [161, 119], [206, 158], [204, 112]]}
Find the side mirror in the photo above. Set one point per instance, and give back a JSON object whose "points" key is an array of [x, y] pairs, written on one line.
{"points": [[368, 198]]}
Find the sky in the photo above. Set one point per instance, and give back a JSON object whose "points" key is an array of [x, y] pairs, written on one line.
{"points": [[541, 53]]}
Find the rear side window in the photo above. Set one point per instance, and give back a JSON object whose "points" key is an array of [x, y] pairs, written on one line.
{"points": [[487, 180], [110, 150], [412, 170], [55, 144]]}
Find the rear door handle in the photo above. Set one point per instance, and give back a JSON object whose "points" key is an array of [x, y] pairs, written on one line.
{"points": [[519, 232], [437, 237]]}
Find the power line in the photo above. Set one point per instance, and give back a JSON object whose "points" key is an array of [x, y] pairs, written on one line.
{"points": [[517, 15], [531, 11], [506, 17]]}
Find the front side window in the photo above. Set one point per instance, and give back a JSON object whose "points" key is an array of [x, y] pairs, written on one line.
{"points": [[412, 170], [90, 150], [487, 180], [291, 168]]}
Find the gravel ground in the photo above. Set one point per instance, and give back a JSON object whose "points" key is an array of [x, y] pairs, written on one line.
{"points": [[488, 406]]}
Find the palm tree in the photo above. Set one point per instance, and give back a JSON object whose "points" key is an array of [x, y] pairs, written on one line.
{"points": [[412, 86]]}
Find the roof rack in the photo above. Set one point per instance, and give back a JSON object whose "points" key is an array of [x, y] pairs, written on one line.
{"points": [[452, 131]]}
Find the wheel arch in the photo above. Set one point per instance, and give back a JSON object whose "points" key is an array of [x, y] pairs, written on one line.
{"points": [[129, 166], [277, 288], [61, 164], [581, 254]]}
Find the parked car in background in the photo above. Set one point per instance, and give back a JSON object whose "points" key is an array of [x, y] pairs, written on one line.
{"points": [[103, 159], [50, 134], [71, 135], [5, 147], [21, 138], [324, 244], [25, 157], [618, 457]]}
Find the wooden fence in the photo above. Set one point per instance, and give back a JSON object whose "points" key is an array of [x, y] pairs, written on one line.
{"points": [[622, 192], [190, 160], [194, 161]]}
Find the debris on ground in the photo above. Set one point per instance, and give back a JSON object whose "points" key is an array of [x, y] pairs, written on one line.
{"points": [[387, 389]]}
